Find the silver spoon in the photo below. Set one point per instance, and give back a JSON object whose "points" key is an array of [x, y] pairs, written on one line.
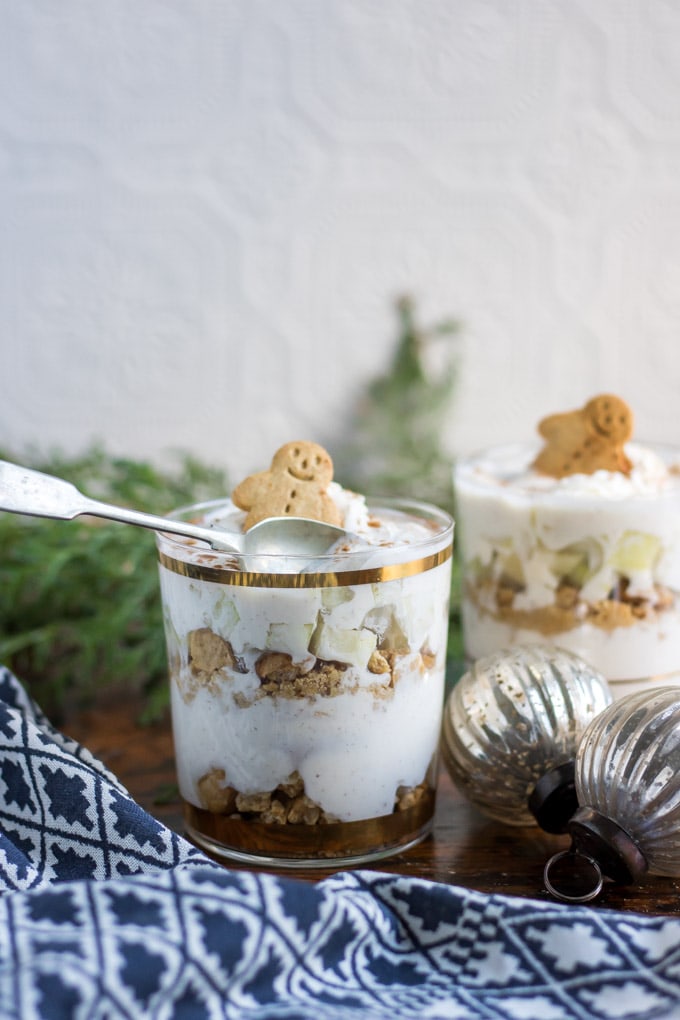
{"points": [[25, 491]]}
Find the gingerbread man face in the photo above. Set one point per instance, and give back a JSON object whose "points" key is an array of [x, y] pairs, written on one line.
{"points": [[611, 417], [305, 462], [295, 485], [587, 440]]}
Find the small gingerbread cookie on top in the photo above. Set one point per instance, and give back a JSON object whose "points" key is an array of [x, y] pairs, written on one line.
{"points": [[587, 440], [296, 485]]}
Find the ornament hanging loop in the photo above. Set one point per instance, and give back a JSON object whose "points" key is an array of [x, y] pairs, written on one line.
{"points": [[573, 877]]}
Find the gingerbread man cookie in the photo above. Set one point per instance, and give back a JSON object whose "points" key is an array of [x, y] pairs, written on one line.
{"points": [[590, 439], [295, 485]]}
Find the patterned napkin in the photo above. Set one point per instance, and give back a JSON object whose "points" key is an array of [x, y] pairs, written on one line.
{"points": [[105, 913]]}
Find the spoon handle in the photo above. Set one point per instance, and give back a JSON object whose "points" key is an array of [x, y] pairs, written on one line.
{"points": [[123, 515], [25, 491]]}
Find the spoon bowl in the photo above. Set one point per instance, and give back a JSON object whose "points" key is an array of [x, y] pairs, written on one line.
{"points": [[36, 494], [291, 536]]}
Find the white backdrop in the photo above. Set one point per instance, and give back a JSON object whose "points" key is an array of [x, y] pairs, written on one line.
{"points": [[207, 208]]}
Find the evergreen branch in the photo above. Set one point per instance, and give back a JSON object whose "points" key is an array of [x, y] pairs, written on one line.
{"points": [[80, 607]]}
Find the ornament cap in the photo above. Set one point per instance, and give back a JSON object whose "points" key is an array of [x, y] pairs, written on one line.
{"points": [[599, 837], [553, 799]]}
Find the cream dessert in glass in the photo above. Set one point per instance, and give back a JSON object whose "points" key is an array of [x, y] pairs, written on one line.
{"points": [[307, 696], [575, 544]]}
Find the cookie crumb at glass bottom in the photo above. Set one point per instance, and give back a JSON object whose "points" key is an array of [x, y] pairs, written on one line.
{"points": [[299, 846]]}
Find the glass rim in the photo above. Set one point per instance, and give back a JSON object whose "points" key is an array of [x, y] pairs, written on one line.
{"points": [[328, 570]]}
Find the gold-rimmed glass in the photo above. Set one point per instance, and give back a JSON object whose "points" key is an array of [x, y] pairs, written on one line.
{"points": [[307, 697]]}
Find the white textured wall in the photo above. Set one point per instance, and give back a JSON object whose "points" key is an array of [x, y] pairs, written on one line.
{"points": [[208, 206]]}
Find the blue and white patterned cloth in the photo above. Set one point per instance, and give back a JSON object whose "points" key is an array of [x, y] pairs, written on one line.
{"points": [[105, 913]]}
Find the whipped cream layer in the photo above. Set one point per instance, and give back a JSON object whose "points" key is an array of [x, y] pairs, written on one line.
{"points": [[370, 539], [590, 562], [358, 711], [654, 470]]}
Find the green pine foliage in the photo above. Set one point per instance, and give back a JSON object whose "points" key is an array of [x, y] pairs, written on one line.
{"points": [[395, 446], [79, 600]]}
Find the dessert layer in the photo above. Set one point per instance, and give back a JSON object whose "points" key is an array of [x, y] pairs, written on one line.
{"points": [[590, 562], [336, 688]]}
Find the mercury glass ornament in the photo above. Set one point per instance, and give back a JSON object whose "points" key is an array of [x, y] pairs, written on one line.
{"points": [[511, 728], [627, 774]]}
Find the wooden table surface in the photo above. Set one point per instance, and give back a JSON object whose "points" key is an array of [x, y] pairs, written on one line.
{"points": [[465, 848]]}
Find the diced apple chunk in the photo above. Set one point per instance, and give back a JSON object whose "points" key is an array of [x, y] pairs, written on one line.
{"points": [[384, 623], [576, 563], [636, 551], [336, 644], [332, 597], [512, 570], [225, 615], [290, 638]]}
